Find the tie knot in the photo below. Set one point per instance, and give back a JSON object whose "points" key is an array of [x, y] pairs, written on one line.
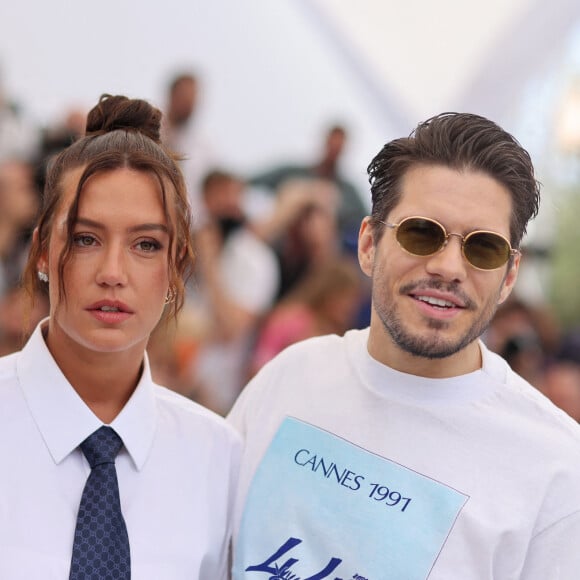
{"points": [[102, 446]]}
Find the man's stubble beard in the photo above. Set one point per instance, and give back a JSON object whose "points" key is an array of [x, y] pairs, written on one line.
{"points": [[432, 346]]}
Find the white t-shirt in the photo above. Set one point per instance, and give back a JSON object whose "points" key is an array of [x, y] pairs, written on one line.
{"points": [[353, 470], [176, 471]]}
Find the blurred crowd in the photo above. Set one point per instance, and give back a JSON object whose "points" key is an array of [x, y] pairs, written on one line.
{"points": [[276, 261]]}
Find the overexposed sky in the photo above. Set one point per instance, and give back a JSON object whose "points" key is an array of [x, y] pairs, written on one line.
{"points": [[275, 73], [269, 84]]}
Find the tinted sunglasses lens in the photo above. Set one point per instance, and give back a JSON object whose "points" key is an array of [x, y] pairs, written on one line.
{"points": [[421, 237], [486, 251]]}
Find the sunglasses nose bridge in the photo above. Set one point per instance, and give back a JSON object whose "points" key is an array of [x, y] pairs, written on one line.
{"points": [[448, 235], [448, 260]]}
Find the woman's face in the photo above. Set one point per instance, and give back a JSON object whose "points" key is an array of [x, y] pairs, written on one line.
{"points": [[118, 276]]}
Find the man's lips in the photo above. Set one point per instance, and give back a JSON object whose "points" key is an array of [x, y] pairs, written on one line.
{"points": [[438, 300], [438, 295]]}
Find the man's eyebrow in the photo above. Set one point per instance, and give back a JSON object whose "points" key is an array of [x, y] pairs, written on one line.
{"points": [[137, 228]]}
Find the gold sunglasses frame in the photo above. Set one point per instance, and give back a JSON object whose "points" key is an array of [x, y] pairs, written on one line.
{"points": [[395, 227]]}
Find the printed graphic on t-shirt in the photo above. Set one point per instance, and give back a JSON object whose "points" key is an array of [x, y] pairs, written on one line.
{"points": [[320, 507]]}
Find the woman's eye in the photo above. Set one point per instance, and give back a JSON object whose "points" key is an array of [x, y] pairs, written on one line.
{"points": [[84, 240], [149, 245]]}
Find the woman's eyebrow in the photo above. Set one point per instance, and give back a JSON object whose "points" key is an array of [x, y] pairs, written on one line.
{"points": [[136, 228]]}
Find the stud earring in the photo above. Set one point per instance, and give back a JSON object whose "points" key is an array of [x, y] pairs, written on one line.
{"points": [[171, 295], [42, 276]]}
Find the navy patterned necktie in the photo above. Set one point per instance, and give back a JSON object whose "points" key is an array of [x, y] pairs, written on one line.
{"points": [[101, 543]]}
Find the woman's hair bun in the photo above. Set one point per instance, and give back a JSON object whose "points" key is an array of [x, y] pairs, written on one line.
{"points": [[114, 112]]}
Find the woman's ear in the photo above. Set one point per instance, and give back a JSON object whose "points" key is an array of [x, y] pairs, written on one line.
{"points": [[42, 263]]}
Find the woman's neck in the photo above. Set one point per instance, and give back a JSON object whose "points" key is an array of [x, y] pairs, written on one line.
{"points": [[105, 381]]}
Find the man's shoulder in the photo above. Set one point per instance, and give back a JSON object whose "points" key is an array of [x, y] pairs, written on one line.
{"points": [[316, 348], [320, 361], [546, 422]]}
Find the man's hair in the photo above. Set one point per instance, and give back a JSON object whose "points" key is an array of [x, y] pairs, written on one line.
{"points": [[461, 141], [215, 177], [179, 79], [336, 128]]}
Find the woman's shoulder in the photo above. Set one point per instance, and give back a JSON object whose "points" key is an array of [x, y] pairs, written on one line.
{"points": [[8, 366], [186, 412]]}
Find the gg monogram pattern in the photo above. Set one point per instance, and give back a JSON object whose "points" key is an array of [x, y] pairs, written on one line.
{"points": [[101, 543]]}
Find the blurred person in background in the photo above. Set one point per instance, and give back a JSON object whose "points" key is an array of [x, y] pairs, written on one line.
{"points": [[310, 235], [232, 291], [525, 335], [19, 204], [351, 208], [183, 135], [64, 130], [326, 301], [19, 316], [170, 354], [561, 382], [529, 338], [58, 135], [235, 283]]}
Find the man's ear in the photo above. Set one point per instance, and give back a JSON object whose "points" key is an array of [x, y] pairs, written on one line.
{"points": [[510, 279], [366, 246]]}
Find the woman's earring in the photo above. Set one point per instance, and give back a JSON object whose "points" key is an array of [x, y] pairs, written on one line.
{"points": [[171, 295], [42, 276]]}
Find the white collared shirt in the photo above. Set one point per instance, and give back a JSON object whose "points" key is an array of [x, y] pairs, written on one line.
{"points": [[177, 473]]}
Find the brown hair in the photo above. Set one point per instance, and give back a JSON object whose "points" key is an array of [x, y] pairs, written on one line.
{"points": [[179, 79], [460, 141], [331, 278], [120, 133]]}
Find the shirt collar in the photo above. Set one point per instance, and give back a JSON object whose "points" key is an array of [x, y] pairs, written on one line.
{"points": [[63, 418], [136, 423]]}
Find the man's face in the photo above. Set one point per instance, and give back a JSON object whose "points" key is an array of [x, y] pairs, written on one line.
{"points": [[224, 199], [434, 307], [183, 101], [334, 146]]}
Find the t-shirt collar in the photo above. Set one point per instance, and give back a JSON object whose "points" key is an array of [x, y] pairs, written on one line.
{"points": [[398, 385]]}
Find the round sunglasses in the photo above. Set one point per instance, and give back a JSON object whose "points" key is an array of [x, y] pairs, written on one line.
{"points": [[420, 236]]}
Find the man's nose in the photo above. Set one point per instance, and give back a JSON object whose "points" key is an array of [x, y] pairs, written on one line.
{"points": [[449, 262]]}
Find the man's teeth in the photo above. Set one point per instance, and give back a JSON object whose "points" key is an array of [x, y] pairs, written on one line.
{"points": [[109, 309], [436, 301]]}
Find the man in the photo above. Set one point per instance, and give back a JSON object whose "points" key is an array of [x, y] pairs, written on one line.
{"points": [[408, 450], [351, 207], [182, 133]]}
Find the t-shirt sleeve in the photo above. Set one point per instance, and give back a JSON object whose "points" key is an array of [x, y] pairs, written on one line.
{"points": [[554, 553]]}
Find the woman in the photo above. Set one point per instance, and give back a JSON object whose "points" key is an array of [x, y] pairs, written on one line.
{"points": [[325, 301], [112, 245]]}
